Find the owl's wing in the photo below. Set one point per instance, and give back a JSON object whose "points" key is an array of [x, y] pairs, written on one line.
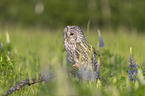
{"points": [[89, 45], [94, 51], [94, 60], [68, 58]]}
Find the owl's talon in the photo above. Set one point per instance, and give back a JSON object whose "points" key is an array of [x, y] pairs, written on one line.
{"points": [[76, 65]]}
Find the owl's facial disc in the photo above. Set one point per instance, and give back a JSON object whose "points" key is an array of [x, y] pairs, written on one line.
{"points": [[71, 36]]}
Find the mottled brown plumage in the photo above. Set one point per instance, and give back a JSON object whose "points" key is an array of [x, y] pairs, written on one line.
{"points": [[76, 45]]}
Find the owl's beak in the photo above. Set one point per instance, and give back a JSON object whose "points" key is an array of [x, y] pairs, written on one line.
{"points": [[67, 39]]}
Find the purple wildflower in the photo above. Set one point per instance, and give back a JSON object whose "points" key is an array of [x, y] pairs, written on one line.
{"points": [[101, 42], [132, 67], [112, 74], [1, 47]]}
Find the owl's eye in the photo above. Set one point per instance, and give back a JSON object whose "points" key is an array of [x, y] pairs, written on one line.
{"points": [[71, 34]]}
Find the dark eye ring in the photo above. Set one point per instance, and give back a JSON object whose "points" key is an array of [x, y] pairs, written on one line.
{"points": [[71, 33]]}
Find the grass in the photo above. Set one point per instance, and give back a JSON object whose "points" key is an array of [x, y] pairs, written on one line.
{"points": [[35, 52]]}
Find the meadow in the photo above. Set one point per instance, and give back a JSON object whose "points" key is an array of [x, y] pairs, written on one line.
{"points": [[36, 51]]}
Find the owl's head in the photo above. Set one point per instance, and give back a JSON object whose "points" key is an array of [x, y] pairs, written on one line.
{"points": [[73, 34]]}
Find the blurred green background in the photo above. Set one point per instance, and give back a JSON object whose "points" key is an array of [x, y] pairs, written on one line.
{"points": [[59, 13], [31, 32]]}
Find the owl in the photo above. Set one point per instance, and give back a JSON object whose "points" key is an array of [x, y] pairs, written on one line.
{"points": [[79, 52]]}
